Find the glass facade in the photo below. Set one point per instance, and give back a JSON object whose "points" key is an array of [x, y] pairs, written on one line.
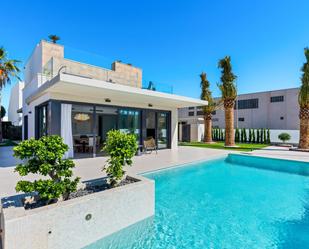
{"points": [[91, 123], [129, 121], [162, 130], [42, 121]]}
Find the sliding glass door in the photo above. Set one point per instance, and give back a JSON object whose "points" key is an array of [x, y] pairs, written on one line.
{"points": [[162, 128]]}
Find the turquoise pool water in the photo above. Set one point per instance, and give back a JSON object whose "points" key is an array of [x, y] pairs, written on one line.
{"points": [[223, 203]]}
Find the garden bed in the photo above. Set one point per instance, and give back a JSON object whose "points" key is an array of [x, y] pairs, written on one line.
{"points": [[79, 221], [90, 188]]}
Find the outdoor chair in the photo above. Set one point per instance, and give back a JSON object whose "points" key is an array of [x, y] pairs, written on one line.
{"points": [[150, 144]]}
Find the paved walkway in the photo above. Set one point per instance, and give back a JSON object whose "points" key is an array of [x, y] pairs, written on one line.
{"points": [[91, 168], [6, 157], [282, 152]]}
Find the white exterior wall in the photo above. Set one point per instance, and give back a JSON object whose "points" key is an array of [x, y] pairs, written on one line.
{"points": [[267, 115], [15, 103], [91, 90]]}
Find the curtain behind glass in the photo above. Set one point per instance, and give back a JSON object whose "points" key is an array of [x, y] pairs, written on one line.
{"points": [[66, 128]]}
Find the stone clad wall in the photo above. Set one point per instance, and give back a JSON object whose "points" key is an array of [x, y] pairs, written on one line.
{"points": [[120, 73]]}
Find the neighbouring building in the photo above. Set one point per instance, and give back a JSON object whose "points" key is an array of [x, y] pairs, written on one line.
{"points": [[15, 104], [276, 110], [83, 102]]}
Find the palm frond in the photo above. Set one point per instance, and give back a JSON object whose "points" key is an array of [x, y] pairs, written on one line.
{"points": [[303, 97], [227, 86]]}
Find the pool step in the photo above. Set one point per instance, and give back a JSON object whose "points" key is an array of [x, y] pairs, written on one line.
{"points": [[274, 164]]}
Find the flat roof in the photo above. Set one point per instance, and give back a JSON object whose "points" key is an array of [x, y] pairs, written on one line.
{"points": [[74, 85]]}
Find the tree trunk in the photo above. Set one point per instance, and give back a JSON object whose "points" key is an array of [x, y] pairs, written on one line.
{"points": [[207, 128], [304, 128], [229, 123]]}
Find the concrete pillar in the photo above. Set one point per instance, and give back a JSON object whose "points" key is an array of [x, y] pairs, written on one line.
{"points": [[174, 129]]}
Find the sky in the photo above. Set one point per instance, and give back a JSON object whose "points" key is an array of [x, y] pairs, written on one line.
{"points": [[172, 41]]}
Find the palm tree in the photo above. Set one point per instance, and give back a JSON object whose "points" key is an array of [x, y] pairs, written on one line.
{"points": [[54, 38], [303, 100], [211, 107], [8, 71], [229, 94]]}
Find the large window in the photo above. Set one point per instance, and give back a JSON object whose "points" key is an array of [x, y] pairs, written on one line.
{"points": [[162, 130], [247, 104], [276, 99], [129, 121], [83, 128], [42, 121]]}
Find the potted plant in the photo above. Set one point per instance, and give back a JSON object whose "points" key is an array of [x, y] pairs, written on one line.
{"points": [[121, 148], [45, 157]]}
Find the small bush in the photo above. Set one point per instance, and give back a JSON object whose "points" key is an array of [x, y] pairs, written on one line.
{"points": [[45, 157], [245, 135], [268, 136], [284, 137], [121, 147], [253, 136], [237, 135]]}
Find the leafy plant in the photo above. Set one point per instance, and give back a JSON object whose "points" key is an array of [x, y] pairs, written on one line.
{"points": [[268, 136], [45, 157], [245, 135], [237, 135], [8, 71], [264, 136], [54, 38], [121, 147], [284, 137], [253, 136], [3, 112]]}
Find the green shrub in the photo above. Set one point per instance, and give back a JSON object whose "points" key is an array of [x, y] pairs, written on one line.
{"points": [[45, 157], [245, 135], [250, 136], [237, 135], [284, 137], [253, 136], [264, 136], [257, 135], [268, 136], [121, 147]]}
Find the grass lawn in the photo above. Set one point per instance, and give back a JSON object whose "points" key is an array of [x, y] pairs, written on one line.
{"points": [[220, 145], [8, 143]]}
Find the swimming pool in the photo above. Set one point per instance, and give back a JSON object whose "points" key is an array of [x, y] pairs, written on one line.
{"points": [[233, 202]]}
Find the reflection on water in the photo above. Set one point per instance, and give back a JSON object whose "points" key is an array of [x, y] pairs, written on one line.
{"points": [[136, 236]]}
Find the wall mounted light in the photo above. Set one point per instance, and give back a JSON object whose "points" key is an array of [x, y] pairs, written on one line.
{"points": [[150, 105], [108, 100]]}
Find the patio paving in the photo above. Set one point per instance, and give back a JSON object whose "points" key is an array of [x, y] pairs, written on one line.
{"points": [[91, 168]]}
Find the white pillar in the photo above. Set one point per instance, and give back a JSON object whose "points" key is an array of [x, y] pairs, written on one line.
{"points": [[174, 129]]}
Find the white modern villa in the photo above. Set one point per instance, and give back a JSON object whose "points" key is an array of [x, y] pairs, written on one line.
{"points": [[83, 102]]}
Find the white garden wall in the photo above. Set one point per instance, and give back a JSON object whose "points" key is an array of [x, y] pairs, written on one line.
{"points": [[197, 134]]}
